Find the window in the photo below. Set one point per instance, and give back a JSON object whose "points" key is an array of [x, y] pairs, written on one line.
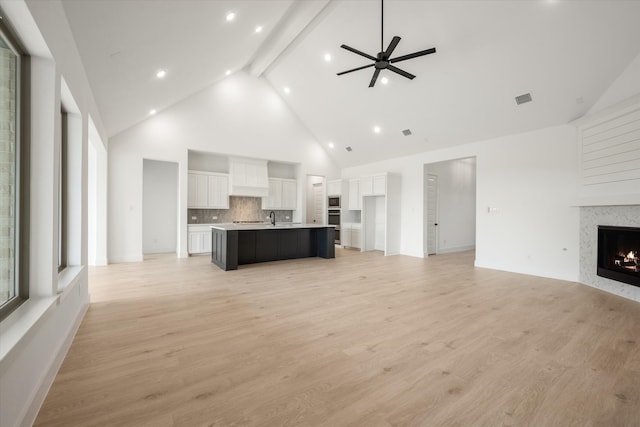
{"points": [[13, 212]]}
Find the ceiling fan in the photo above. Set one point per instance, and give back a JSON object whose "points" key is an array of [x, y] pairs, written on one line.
{"points": [[383, 60]]}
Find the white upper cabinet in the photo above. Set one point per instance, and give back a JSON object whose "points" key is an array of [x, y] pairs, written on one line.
{"points": [[355, 199], [379, 185], [274, 200], [366, 186], [334, 187], [289, 195], [197, 190], [375, 185], [283, 195], [206, 190], [218, 196]]}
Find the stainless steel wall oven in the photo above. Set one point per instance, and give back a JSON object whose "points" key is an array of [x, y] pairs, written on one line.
{"points": [[333, 218]]}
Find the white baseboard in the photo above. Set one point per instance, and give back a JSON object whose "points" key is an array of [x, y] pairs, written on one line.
{"points": [[456, 249], [530, 272], [126, 258]]}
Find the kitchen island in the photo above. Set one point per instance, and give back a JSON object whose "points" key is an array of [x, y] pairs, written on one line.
{"points": [[239, 244]]}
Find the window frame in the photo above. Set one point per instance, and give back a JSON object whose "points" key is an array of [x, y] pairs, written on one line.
{"points": [[22, 170], [63, 190]]}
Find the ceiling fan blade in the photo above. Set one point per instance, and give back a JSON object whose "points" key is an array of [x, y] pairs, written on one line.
{"points": [[413, 55], [356, 51], [401, 72], [392, 46], [375, 77], [356, 69]]}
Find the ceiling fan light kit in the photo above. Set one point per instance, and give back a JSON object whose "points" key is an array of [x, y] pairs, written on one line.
{"points": [[383, 60]]}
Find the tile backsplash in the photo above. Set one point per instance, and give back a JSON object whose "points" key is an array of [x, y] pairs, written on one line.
{"points": [[240, 209]]}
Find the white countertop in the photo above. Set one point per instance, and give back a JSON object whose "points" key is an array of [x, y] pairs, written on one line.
{"points": [[267, 226]]}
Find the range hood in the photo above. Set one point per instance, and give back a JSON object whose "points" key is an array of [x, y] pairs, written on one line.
{"points": [[248, 177]]}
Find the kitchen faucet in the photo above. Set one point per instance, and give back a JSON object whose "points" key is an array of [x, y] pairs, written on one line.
{"points": [[272, 217]]}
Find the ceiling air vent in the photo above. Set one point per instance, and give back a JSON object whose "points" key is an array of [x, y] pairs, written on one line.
{"points": [[349, 149], [406, 132], [522, 99]]}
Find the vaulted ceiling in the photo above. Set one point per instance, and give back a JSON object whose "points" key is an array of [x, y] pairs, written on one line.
{"points": [[565, 53]]}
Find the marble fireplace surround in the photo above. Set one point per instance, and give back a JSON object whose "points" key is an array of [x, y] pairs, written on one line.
{"points": [[590, 218]]}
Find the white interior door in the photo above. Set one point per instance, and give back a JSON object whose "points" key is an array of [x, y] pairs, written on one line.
{"points": [[431, 208], [317, 212]]}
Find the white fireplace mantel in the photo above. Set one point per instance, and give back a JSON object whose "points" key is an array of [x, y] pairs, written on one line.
{"points": [[609, 200]]}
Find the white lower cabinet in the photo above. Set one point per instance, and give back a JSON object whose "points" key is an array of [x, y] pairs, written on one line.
{"points": [[345, 235], [355, 237], [199, 239], [350, 235]]}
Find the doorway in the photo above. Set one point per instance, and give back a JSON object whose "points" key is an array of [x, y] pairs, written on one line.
{"points": [[449, 214], [431, 209], [159, 207]]}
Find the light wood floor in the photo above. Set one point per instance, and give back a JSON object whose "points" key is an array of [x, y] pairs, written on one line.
{"points": [[361, 340]]}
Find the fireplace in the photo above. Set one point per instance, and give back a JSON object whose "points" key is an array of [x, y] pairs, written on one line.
{"points": [[619, 253]]}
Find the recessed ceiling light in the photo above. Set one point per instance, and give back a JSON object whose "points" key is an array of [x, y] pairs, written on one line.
{"points": [[152, 112], [287, 90], [161, 73], [331, 145], [327, 57], [231, 16], [227, 73], [258, 29], [377, 129], [384, 80]]}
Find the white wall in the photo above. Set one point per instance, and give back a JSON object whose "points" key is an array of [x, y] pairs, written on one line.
{"points": [[625, 86], [531, 178], [241, 116], [208, 162], [159, 207], [456, 204], [36, 336], [97, 199]]}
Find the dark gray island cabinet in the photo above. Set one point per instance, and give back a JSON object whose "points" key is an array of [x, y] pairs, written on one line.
{"points": [[233, 245]]}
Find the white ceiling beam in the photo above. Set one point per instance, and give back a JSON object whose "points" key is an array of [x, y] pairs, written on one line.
{"points": [[298, 17]]}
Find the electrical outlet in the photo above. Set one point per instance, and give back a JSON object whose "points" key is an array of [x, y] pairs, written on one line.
{"points": [[194, 217], [287, 217], [214, 217]]}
